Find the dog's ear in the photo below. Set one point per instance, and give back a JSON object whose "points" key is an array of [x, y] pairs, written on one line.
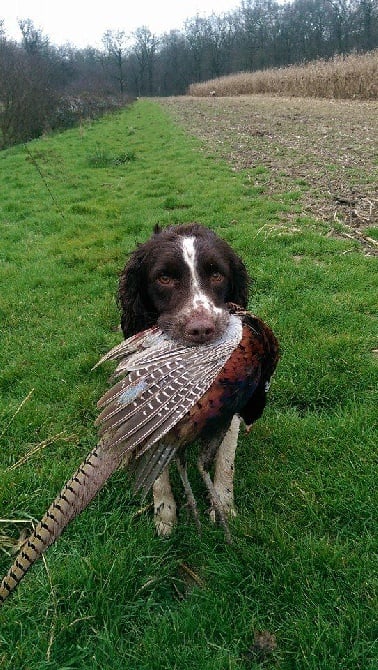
{"points": [[136, 311], [157, 229], [240, 282]]}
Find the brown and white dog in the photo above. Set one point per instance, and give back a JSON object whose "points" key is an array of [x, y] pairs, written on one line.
{"points": [[182, 279]]}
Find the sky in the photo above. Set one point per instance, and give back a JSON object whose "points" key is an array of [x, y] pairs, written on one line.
{"points": [[83, 22]]}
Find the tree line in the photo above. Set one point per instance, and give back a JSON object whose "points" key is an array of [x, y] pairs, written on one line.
{"points": [[43, 86]]}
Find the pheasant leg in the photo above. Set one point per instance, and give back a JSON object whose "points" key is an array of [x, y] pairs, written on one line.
{"points": [[181, 467], [214, 498]]}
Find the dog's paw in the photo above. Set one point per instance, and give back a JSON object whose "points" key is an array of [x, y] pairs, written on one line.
{"points": [[165, 518]]}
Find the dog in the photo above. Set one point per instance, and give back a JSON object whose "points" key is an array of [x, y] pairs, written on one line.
{"points": [[181, 279]]}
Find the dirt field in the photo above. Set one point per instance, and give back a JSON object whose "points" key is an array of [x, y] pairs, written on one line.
{"points": [[326, 150]]}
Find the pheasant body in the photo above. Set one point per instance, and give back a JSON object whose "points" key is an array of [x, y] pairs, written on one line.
{"points": [[167, 396]]}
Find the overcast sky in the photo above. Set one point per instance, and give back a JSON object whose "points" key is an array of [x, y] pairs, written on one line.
{"points": [[83, 22]]}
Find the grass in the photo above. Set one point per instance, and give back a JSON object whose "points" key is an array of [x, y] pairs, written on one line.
{"points": [[303, 564], [342, 77]]}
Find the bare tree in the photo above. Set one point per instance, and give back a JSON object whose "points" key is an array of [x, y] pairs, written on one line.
{"points": [[33, 40], [145, 48], [116, 46], [196, 32], [172, 70], [366, 23], [339, 12], [24, 96]]}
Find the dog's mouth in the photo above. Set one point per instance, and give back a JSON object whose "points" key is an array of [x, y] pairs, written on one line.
{"points": [[197, 327]]}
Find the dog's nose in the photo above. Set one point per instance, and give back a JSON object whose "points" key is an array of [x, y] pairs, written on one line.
{"points": [[200, 330]]}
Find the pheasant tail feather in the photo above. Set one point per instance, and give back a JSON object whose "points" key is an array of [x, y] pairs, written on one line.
{"points": [[73, 499]]}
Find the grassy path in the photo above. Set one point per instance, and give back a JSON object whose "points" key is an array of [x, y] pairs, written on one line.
{"points": [[111, 594]]}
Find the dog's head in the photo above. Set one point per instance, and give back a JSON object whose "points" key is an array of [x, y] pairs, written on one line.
{"points": [[181, 279]]}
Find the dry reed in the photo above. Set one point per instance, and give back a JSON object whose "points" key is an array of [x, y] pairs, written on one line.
{"points": [[353, 76]]}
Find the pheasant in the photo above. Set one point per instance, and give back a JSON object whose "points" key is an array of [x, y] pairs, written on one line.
{"points": [[167, 396]]}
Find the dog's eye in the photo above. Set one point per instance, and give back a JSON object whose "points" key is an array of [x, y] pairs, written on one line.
{"points": [[165, 279], [216, 276]]}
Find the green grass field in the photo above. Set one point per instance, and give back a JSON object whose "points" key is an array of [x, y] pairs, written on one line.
{"points": [[110, 594]]}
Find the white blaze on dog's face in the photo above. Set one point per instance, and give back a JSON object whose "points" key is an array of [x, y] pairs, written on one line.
{"points": [[203, 320], [197, 297]]}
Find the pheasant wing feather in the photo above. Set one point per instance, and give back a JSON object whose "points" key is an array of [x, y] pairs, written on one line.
{"points": [[135, 343], [164, 383]]}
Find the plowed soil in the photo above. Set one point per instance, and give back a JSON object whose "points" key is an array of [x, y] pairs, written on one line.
{"points": [[327, 150]]}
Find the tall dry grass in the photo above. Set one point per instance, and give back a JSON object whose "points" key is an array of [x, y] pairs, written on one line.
{"points": [[354, 76]]}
